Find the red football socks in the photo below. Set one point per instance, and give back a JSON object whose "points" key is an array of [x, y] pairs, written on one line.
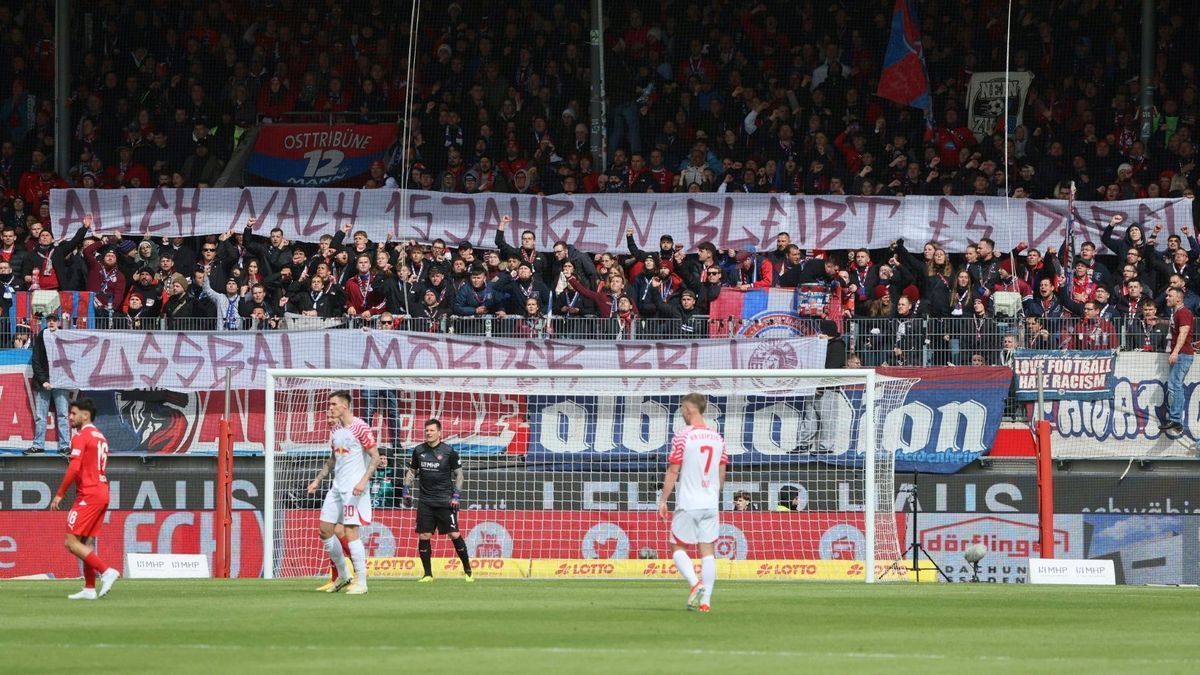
{"points": [[92, 560]]}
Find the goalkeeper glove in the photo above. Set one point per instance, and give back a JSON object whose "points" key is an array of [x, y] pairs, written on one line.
{"points": [[454, 499], [406, 497]]}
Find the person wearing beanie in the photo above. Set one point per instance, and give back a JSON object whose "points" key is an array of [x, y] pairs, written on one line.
{"points": [[682, 316], [177, 309]]}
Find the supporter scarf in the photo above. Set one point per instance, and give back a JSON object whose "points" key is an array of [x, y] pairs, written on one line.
{"points": [[1147, 346], [1085, 285], [364, 284], [107, 278], [44, 252], [231, 322], [861, 273], [960, 303], [477, 294]]}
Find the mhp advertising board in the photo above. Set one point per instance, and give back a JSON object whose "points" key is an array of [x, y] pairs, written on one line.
{"points": [[315, 155], [948, 418]]}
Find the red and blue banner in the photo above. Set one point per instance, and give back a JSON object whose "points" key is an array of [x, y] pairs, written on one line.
{"points": [[77, 304], [768, 312], [904, 78], [1066, 375], [316, 155]]}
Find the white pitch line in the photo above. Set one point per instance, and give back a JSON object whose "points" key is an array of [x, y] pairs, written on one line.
{"points": [[611, 651]]}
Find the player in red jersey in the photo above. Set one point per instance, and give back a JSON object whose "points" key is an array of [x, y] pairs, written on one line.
{"points": [[89, 456]]}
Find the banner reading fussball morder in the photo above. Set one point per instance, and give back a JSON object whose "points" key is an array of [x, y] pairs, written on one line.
{"points": [[597, 223], [1065, 375], [197, 361], [315, 155]]}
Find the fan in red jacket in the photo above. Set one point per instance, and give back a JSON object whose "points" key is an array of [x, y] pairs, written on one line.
{"points": [[275, 99], [126, 171], [950, 138], [35, 188], [104, 278], [363, 296]]}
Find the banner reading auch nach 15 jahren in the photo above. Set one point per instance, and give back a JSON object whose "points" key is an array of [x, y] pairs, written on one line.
{"points": [[1067, 375], [315, 155]]}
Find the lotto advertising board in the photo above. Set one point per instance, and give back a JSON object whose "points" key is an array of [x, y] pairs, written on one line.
{"points": [[591, 543]]}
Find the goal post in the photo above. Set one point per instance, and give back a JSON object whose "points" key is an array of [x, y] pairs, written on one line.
{"points": [[563, 467]]}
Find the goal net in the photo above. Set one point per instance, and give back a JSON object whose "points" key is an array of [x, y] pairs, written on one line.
{"points": [[563, 470]]}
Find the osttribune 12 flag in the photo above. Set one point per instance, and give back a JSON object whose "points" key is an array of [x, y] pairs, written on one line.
{"points": [[904, 78]]}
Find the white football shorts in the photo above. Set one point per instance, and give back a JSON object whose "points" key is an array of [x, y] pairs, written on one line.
{"points": [[700, 526], [345, 508]]}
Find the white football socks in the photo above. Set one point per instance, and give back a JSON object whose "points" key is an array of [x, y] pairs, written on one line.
{"points": [[708, 575], [334, 548], [358, 554], [683, 563]]}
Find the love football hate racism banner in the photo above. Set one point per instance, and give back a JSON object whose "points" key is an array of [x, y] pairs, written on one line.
{"points": [[597, 223], [1065, 375]]}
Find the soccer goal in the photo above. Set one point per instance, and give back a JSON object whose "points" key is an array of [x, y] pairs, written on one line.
{"points": [[563, 469]]}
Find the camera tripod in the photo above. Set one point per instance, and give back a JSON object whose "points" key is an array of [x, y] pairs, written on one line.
{"points": [[914, 547]]}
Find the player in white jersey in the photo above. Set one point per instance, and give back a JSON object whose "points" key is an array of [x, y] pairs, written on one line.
{"points": [[697, 465], [354, 456]]}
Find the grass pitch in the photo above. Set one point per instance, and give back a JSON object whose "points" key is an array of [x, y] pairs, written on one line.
{"points": [[607, 627]]}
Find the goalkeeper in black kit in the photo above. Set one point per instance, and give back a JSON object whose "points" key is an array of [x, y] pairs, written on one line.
{"points": [[436, 469]]}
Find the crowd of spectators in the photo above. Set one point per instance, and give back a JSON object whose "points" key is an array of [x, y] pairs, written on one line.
{"points": [[703, 95]]}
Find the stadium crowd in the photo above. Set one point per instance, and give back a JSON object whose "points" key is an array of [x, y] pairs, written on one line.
{"points": [[703, 95]]}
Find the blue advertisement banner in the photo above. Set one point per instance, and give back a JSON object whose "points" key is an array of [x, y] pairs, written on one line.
{"points": [[948, 419]]}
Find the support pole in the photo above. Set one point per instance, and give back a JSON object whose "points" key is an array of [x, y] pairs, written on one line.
{"points": [[1147, 73], [1045, 471], [1045, 480], [62, 86], [224, 516], [869, 493], [598, 109]]}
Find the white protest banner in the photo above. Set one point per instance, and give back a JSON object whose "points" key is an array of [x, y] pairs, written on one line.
{"points": [[1125, 423], [196, 361], [597, 223]]}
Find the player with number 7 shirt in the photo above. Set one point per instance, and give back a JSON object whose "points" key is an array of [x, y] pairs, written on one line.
{"points": [[697, 464], [89, 457]]}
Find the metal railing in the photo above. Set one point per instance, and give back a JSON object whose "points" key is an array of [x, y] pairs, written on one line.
{"points": [[920, 341], [562, 327], [959, 341]]}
